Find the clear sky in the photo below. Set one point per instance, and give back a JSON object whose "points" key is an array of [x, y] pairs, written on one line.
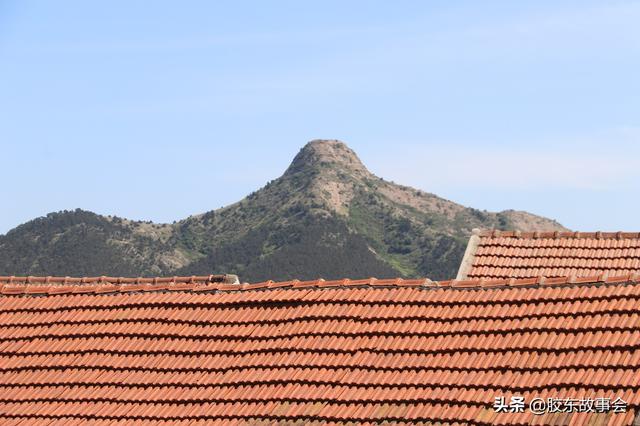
{"points": [[158, 110]]}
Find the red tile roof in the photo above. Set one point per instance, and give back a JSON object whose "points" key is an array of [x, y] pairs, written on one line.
{"points": [[496, 254], [327, 351]]}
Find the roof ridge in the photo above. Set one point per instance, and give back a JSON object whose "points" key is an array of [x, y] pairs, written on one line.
{"points": [[104, 280], [557, 234], [160, 284]]}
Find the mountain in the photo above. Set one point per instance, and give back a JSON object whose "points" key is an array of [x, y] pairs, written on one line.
{"points": [[326, 216]]}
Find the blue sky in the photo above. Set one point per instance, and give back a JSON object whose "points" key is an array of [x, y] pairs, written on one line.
{"points": [[159, 110]]}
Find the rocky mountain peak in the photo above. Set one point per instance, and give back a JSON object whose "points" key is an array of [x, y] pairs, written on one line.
{"points": [[325, 154]]}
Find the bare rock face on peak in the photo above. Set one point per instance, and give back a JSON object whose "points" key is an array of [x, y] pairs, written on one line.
{"points": [[326, 155], [326, 216]]}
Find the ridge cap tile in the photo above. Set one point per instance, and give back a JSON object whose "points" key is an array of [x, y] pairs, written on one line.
{"points": [[60, 289], [358, 282], [280, 284], [329, 283], [305, 284], [36, 289], [492, 283], [162, 286], [544, 281], [429, 283], [385, 282], [83, 289], [106, 288], [619, 278], [190, 286], [524, 282], [207, 287], [418, 282], [13, 289], [464, 283], [130, 287], [219, 287]]}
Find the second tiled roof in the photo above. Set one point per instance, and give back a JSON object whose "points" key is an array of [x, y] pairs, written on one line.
{"points": [[495, 254]]}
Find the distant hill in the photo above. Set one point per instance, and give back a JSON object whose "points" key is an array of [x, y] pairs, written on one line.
{"points": [[326, 216]]}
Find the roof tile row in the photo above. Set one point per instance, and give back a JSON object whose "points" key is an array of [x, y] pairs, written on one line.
{"points": [[555, 251], [339, 326], [612, 265], [454, 361]]}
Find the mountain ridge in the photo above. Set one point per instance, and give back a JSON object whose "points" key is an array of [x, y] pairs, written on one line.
{"points": [[326, 216]]}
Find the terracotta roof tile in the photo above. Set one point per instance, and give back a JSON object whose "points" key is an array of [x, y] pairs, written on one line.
{"points": [[496, 254], [191, 351]]}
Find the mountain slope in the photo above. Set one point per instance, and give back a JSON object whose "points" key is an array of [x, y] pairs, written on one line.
{"points": [[326, 216]]}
